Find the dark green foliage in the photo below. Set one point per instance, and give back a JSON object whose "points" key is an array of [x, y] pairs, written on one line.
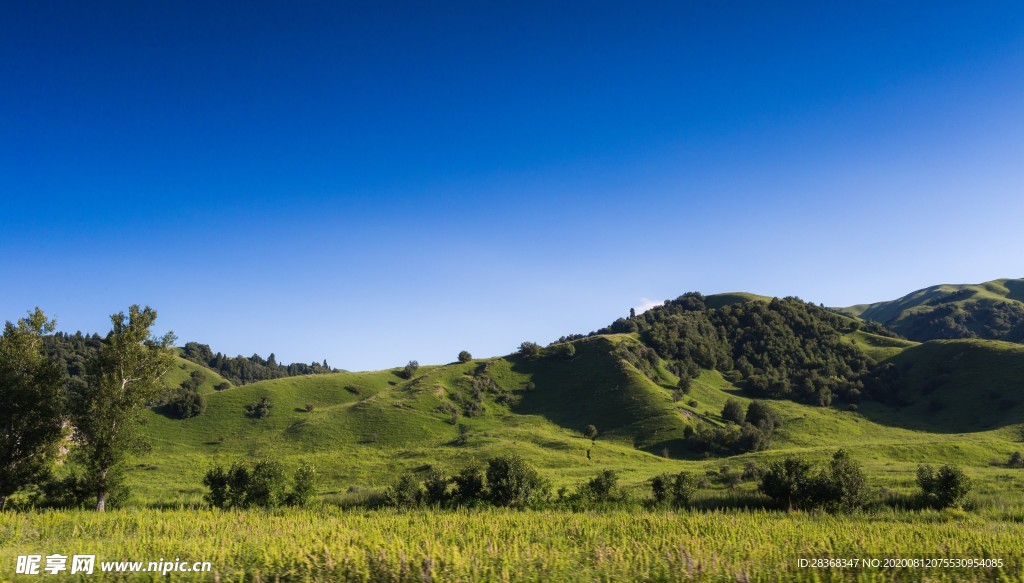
{"points": [[566, 351], [187, 401], [762, 416], [733, 412], [222, 386], [985, 318], [795, 483], [692, 402], [263, 485], [409, 370], [465, 356], [790, 483], [469, 485], [685, 385], [243, 370], [675, 490], [309, 407], [947, 487], [1016, 460], [405, 493], [260, 409], [604, 487], [303, 485], [32, 405], [677, 396], [731, 439], [783, 348], [529, 350], [591, 432], [513, 482], [623, 326], [436, 488]]}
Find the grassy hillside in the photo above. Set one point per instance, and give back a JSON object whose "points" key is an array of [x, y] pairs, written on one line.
{"points": [[991, 310], [182, 369], [365, 429]]}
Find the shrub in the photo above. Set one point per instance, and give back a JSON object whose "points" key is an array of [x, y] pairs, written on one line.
{"points": [[733, 411], [566, 351], [685, 385], [465, 356], [677, 396], [187, 403], [266, 485], [240, 487], [676, 490], [409, 370], [845, 483], [436, 488], [406, 493], [309, 407], [789, 483], [469, 485], [604, 487], [591, 432], [529, 350], [303, 485], [222, 386], [692, 402], [1016, 460], [760, 415], [794, 483], [513, 482], [944, 488], [260, 409]]}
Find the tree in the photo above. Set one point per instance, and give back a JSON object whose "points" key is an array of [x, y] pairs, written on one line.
{"points": [[405, 493], [303, 485], [676, 490], [788, 482], [513, 482], [121, 379], [944, 488], [760, 415], [31, 405], [465, 356], [845, 483], [603, 487], [685, 385], [260, 409], [1016, 460], [567, 351], [469, 484], [733, 411], [436, 487], [187, 402], [410, 369], [591, 432], [529, 350]]}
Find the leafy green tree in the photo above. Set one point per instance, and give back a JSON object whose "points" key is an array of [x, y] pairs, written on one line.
{"points": [[187, 402], [217, 480], [683, 489], [436, 487], [465, 356], [260, 409], [266, 487], [405, 493], [529, 350], [31, 405], [1016, 460], [303, 485], [733, 411], [469, 485], [567, 351], [121, 379], [685, 385], [789, 482], [761, 415], [949, 486], [603, 487], [513, 482], [845, 483]]}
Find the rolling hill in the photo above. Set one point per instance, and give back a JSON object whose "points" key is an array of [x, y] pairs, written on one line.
{"points": [[993, 311]]}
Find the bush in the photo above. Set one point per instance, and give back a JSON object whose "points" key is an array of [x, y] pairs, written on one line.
{"points": [[310, 407], [789, 483], [604, 487], [760, 415], [676, 490], [529, 350], [436, 486], [794, 483], [303, 485], [590, 432], [406, 493], [1016, 460], [187, 403], [260, 409], [692, 402], [733, 411], [223, 386], [685, 385], [513, 482], [469, 485], [944, 488], [566, 351], [409, 370], [845, 483], [262, 485], [465, 356]]}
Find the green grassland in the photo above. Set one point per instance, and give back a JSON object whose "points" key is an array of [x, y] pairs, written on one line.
{"points": [[964, 298]]}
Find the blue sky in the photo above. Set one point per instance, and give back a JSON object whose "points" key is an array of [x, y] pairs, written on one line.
{"points": [[377, 182]]}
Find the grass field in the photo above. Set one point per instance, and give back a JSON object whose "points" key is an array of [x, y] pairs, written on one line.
{"points": [[497, 545]]}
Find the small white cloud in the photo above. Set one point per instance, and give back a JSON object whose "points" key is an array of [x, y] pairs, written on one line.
{"points": [[646, 304]]}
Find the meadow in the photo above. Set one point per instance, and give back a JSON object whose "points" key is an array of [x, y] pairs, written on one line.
{"points": [[506, 545]]}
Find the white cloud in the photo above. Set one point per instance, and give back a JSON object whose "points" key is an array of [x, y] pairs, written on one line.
{"points": [[646, 304]]}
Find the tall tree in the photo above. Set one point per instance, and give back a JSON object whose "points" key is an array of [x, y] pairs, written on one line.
{"points": [[31, 404], [121, 379]]}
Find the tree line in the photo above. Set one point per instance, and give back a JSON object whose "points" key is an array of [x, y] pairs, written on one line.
{"points": [[243, 370]]}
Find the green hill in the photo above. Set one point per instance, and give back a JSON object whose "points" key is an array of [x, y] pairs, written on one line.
{"points": [[992, 310]]}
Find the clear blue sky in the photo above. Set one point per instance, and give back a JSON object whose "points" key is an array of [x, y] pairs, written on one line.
{"points": [[376, 182]]}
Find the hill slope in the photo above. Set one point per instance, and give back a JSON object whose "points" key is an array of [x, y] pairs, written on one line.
{"points": [[993, 310]]}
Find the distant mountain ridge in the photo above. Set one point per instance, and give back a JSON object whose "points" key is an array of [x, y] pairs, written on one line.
{"points": [[992, 310]]}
